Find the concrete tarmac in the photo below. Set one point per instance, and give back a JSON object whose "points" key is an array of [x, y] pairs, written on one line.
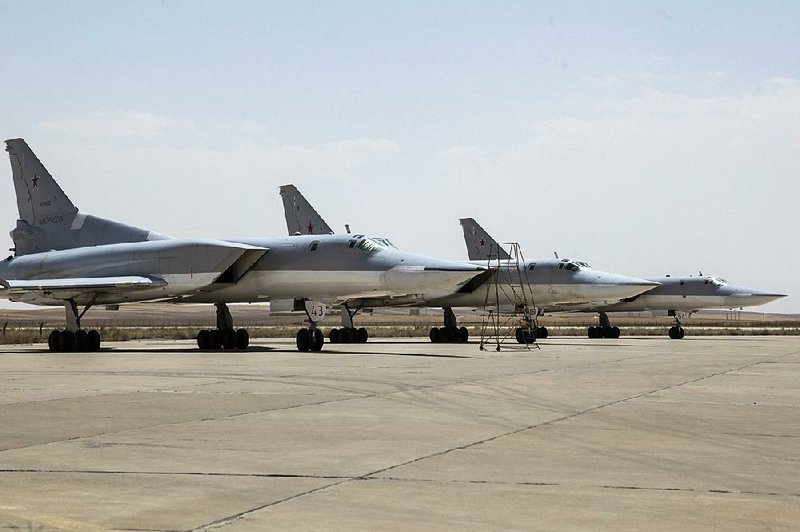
{"points": [[628, 434]]}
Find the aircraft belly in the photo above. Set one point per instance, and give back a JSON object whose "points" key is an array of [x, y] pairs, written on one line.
{"points": [[260, 285]]}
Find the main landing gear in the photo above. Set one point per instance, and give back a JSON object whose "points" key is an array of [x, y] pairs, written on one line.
{"points": [[310, 339], [451, 332], [348, 334], [676, 332], [224, 336], [73, 338], [605, 329], [528, 335]]}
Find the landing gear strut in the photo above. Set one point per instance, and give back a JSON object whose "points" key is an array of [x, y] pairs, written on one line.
{"points": [[451, 332], [224, 336], [348, 334], [604, 330], [310, 339], [73, 338]]}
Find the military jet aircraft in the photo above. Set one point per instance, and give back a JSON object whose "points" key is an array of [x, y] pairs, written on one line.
{"points": [[680, 297], [556, 285], [63, 256]]}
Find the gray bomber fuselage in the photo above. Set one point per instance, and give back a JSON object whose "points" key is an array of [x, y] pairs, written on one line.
{"points": [[554, 284], [341, 268], [689, 294]]}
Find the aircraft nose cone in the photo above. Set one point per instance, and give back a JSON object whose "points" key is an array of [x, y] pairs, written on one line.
{"points": [[743, 297]]}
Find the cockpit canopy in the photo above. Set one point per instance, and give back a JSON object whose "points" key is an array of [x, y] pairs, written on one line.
{"points": [[370, 244], [572, 265], [566, 264]]}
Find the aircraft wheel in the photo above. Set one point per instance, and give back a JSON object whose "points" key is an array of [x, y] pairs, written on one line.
{"points": [[520, 335], [54, 341], [228, 339], [81, 341], [530, 336], [615, 332], [435, 335], [66, 341], [673, 333], [333, 336], [362, 335], [541, 332], [204, 339], [242, 339], [463, 334], [445, 335], [591, 332], [303, 340], [681, 333], [93, 340], [317, 339]]}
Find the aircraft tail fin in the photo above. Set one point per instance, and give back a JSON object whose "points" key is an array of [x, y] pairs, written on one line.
{"points": [[47, 217], [480, 244], [301, 217]]}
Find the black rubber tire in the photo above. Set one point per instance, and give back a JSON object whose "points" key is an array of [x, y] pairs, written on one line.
{"points": [[204, 339], [54, 341], [519, 334], [352, 335], [94, 340], [81, 341], [591, 332], [216, 339], [463, 334], [445, 335], [317, 340], [66, 341], [673, 333], [303, 340], [228, 339], [362, 335], [681, 333], [333, 336], [242, 339], [435, 335], [615, 332], [541, 332]]}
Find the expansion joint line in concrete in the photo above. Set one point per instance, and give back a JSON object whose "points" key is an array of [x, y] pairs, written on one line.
{"points": [[374, 475]]}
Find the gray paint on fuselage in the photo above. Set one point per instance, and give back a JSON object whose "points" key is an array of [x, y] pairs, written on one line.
{"points": [[689, 294], [553, 284], [336, 270]]}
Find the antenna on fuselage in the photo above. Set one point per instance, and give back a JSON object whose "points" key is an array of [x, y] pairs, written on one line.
{"points": [[347, 228], [555, 253]]}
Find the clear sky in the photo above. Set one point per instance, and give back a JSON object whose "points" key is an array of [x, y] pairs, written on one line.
{"points": [[644, 137]]}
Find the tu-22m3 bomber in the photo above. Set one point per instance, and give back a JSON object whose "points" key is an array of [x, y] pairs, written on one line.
{"points": [[68, 258], [678, 297], [551, 285]]}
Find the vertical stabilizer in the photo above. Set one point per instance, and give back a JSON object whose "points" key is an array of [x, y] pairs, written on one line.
{"points": [[40, 201], [48, 220], [480, 245], [301, 218]]}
